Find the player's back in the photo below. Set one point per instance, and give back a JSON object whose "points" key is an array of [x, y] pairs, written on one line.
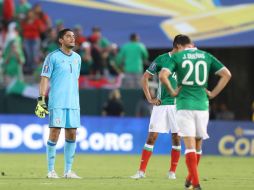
{"points": [[133, 53], [155, 68], [193, 67]]}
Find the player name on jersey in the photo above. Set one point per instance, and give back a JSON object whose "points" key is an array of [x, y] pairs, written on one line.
{"points": [[194, 56]]}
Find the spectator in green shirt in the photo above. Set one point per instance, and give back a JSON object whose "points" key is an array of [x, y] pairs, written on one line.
{"points": [[13, 55], [22, 8], [132, 57], [13, 61], [86, 58], [50, 44]]}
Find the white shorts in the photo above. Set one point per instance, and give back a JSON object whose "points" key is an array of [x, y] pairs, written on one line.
{"points": [[192, 123], [163, 119]]}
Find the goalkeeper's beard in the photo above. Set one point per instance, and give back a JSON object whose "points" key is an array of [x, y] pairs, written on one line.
{"points": [[70, 47]]}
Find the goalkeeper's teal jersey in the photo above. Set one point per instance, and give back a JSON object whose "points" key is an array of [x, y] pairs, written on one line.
{"points": [[155, 68], [192, 67], [63, 72]]}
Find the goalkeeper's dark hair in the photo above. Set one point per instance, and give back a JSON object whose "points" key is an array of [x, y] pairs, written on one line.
{"points": [[181, 40], [61, 33]]}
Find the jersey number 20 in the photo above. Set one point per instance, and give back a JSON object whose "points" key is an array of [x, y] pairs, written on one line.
{"points": [[199, 66]]}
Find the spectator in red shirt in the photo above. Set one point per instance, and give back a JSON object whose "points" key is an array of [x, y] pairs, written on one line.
{"points": [[97, 55], [45, 22], [79, 37], [31, 29], [8, 10]]}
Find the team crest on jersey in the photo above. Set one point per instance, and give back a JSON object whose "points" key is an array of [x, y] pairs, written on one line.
{"points": [[58, 121], [46, 69], [75, 61], [151, 126]]}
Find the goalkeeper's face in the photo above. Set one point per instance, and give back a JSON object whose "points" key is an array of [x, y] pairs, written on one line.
{"points": [[68, 40]]}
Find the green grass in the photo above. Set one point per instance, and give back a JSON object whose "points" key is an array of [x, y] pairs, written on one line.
{"points": [[111, 172]]}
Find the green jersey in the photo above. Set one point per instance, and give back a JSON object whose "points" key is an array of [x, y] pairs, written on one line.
{"points": [[155, 68], [192, 67], [133, 54]]}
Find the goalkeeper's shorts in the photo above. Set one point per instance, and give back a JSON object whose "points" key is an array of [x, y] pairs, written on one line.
{"points": [[64, 118]]}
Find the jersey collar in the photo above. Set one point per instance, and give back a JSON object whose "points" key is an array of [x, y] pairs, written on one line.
{"points": [[65, 53], [194, 48]]}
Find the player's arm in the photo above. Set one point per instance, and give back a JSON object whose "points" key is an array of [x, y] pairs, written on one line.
{"points": [[145, 84], [44, 85], [41, 109], [163, 76], [225, 76]]}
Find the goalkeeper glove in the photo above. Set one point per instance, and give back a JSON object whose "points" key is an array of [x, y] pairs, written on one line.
{"points": [[41, 109]]}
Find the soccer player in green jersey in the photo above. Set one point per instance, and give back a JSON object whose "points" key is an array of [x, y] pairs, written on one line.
{"points": [[163, 115], [192, 67]]}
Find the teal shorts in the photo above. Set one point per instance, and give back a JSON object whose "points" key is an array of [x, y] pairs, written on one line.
{"points": [[64, 118]]}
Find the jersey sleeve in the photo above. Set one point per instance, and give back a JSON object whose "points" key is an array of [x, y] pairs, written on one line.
{"points": [[47, 67], [170, 65], [153, 68], [216, 65], [79, 65]]}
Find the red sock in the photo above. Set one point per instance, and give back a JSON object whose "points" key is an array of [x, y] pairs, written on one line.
{"points": [[191, 162], [175, 155], [198, 159], [146, 154]]}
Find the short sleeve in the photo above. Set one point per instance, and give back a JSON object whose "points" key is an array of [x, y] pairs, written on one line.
{"points": [[79, 65], [170, 65], [216, 65], [153, 68], [47, 67]]}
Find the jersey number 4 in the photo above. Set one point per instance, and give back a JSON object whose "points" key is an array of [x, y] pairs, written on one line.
{"points": [[200, 66]]}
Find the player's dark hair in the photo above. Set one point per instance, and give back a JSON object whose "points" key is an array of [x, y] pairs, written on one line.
{"points": [[181, 40], [133, 37], [61, 33], [96, 29]]}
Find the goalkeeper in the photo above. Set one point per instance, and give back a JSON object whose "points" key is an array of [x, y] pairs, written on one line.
{"points": [[61, 70]]}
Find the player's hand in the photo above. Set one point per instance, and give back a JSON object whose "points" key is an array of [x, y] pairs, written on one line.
{"points": [[176, 91], [155, 101], [209, 94], [41, 109]]}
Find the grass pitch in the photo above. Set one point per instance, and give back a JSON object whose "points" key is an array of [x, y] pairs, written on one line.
{"points": [[111, 172]]}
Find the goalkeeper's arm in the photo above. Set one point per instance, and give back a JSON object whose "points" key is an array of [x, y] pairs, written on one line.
{"points": [[41, 109]]}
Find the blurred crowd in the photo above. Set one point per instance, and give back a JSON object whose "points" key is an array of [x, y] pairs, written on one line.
{"points": [[27, 35]]}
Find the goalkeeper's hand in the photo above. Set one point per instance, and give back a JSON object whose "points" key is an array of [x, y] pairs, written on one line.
{"points": [[41, 109]]}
